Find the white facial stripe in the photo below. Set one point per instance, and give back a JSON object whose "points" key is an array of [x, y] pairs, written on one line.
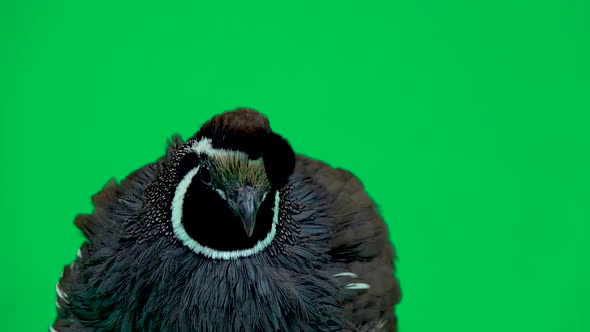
{"points": [[204, 146], [181, 234]]}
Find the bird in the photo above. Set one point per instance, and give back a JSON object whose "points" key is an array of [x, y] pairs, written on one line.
{"points": [[231, 230]]}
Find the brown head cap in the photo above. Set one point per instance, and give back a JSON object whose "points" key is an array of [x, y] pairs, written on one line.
{"points": [[246, 130]]}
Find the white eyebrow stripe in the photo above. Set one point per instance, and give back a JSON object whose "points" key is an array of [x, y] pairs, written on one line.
{"points": [[359, 285], [205, 146], [346, 274]]}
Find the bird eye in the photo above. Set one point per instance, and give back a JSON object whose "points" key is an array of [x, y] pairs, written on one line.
{"points": [[205, 174]]}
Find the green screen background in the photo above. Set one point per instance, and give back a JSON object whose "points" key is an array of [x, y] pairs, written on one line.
{"points": [[467, 121]]}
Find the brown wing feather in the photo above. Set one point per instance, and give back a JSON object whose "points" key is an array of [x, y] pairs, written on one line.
{"points": [[360, 245]]}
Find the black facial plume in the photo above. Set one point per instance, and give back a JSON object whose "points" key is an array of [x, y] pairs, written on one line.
{"points": [[279, 160]]}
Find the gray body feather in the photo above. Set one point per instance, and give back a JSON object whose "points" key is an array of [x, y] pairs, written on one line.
{"points": [[338, 275]]}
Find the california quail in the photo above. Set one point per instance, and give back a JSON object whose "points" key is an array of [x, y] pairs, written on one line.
{"points": [[231, 231]]}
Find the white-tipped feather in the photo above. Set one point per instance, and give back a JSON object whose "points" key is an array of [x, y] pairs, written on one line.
{"points": [[51, 329], [358, 285], [61, 294], [346, 274]]}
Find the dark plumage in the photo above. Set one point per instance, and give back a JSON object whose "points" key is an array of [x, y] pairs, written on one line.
{"points": [[231, 231]]}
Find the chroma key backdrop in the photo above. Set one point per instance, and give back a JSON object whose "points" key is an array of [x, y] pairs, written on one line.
{"points": [[467, 122]]}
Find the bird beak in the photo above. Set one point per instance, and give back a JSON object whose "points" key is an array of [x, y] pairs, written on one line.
{"points": [[246, 202]]}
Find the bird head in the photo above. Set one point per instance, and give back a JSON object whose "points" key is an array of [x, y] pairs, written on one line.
{"points": [[228, 178]]}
